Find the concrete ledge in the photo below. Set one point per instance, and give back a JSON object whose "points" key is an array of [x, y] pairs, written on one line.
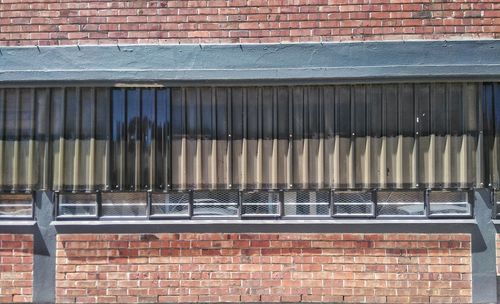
{"points": [[340, 226], [254, 63], [18, 227]]}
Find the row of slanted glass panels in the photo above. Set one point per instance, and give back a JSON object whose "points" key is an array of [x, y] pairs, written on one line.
{"points": [[366, 150]]}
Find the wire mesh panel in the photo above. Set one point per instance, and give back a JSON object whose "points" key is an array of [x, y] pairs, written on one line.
{"points": [[124, 204], [449, 204], [307, 203], [215, 203], [353, 204], [16, 205], [174, 204], [260, 203], [400, 203], [77, 205]]}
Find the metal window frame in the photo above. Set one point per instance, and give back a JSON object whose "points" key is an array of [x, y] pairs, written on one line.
{"points": [[279, 215], [193, 216], [308, 217], [153, 216], [279, 205], [372, 215], [57, 200], [470, 200], [124, 217], [22, 217], [400, 216]]}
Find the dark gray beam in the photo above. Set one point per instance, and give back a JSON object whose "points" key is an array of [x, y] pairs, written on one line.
{"points": [[484, 275], [44, 261], [254, 63], [235, 226]]}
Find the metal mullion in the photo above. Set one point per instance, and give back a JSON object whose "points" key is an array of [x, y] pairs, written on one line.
{"points": [[148, 204], [374, 197], [191, 204], [281, 198], [239, 206], [427, 205], [99, 204], [229, 138], [332, 206], [168, 187]]}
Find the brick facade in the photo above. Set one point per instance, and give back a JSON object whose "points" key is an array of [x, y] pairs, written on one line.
{"points": [[271, 267], [55, 22], [16, 268]]}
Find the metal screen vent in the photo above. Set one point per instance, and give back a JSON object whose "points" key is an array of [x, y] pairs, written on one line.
{"points": [[124, 204], [449, 204], [16, 206], [307, 203], [77, 205], [260, 203], [353, 204], [174, 204], [215, 203], [400, 203]]}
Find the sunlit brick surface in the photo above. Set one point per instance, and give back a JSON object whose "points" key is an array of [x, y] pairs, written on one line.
{"points": [[16, 268], [56, 22], [359, 268]]}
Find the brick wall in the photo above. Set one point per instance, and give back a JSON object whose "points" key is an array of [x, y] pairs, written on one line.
{"points": [[372, 268], [16, 268], [57, 22]]}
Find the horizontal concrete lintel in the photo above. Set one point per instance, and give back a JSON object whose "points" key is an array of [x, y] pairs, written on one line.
{"points": [[17, 227], [254, 63], [338, 226]]}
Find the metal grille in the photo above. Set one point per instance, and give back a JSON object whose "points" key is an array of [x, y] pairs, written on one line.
{"points": [[400, 203], [353, 204], [124, 204], [307, 203], [449, 203], [215, 203], [260, 203], [77, 204], [175, 204], [16, 205]]}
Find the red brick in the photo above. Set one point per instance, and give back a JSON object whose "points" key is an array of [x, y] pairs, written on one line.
{"points": [[298, 268]]}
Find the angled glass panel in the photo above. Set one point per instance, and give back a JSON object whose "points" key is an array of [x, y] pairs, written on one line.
{"points": [[400, 203], [260, 203], [77, 205], [16, 206], [307, 203], [124, 204], [172, 204], [215, 203], [353, 204]]}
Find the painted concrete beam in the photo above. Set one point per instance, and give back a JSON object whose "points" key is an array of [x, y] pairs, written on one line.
{"points": [[254, 63]]}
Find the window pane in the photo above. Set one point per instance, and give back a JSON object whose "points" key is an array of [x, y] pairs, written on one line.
{"points": [[77, 204], [307, 203], [170, 204], [124, 204], [16, 205], [260, 203], [449, 203], [400, 203], [353, 204], [216, 203]]}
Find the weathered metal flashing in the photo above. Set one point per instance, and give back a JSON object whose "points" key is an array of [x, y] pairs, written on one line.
{"points": [[254, 63]]}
